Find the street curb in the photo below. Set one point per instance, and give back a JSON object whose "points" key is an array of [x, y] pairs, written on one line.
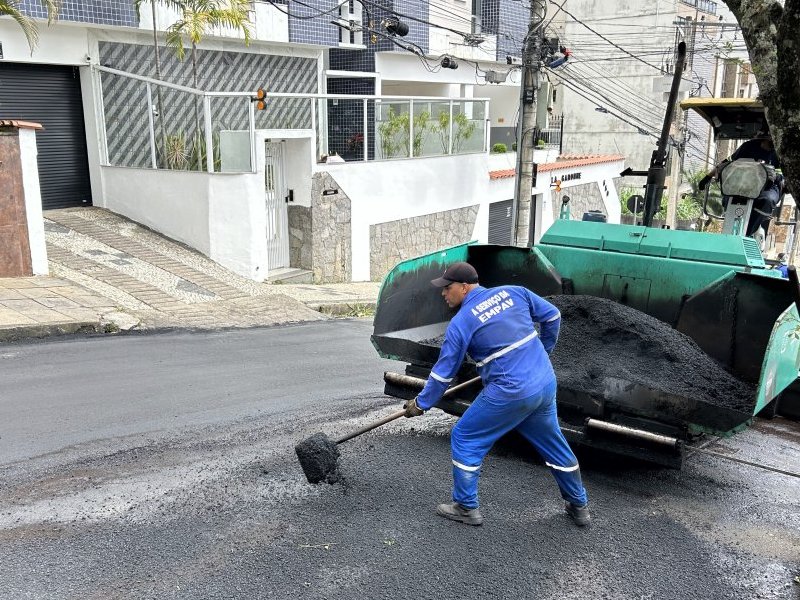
{"points": [[344, 309], [22, 332]]}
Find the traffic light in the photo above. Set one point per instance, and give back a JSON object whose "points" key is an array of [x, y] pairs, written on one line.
{"points": [[260, 99]]}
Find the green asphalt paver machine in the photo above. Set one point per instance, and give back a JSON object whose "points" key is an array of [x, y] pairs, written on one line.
{"points": [[715, 288]]}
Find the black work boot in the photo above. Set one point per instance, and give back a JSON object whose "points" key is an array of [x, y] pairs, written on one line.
{"points": [[579, 514], [456, 512]]}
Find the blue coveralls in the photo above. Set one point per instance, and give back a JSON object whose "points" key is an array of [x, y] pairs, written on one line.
{"points": [[496, 327]]}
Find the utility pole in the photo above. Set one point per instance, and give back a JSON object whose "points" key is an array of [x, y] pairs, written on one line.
{"points": [[523, 212], [657, 174]]}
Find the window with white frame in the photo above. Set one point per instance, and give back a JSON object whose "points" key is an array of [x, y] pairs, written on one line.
{"points": [[352, 12]]}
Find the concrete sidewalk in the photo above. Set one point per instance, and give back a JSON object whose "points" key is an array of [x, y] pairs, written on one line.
{"points": [[110, 274]]}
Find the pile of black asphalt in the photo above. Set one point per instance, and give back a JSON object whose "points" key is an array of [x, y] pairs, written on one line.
{"points": [[318, 456], [601, 338]]}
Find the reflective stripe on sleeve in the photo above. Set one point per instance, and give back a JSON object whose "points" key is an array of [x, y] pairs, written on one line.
{"points": [[465, 467], [507, 349], [566, 469], [440, 378], [558, 316]]}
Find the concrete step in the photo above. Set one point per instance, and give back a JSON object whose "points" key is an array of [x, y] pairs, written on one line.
{"points": [[290, 275]]}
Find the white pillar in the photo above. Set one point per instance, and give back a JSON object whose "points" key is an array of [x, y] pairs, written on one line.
{"points": [[33, 200]]}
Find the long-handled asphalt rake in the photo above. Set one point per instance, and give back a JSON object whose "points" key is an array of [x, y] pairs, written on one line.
{"points": [[319, 454]]}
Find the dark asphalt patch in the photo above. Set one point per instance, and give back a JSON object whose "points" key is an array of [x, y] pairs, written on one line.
{"points": [[656, 533]]}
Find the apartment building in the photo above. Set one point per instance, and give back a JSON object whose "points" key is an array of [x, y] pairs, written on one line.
{"points": [[177, 145]]}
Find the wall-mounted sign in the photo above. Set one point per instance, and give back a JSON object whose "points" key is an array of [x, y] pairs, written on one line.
{"points": [[566, 177], [329, 192]]}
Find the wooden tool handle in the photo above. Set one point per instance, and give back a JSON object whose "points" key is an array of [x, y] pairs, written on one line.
{"points": [[400, 413], [460, 386], [372, 426]]}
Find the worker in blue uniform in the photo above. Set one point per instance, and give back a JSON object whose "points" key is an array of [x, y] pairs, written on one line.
{"points": [[496, 326], [783, 265]]}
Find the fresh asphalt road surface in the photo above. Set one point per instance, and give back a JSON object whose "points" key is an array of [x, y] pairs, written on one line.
{"points": [[61, 393], [162, 466]]}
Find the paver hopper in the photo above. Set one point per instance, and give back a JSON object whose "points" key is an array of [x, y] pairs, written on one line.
{"points": [[715, 288]]}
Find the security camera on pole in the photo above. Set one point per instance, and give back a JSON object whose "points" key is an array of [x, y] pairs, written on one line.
{"points": [[523, 213]]}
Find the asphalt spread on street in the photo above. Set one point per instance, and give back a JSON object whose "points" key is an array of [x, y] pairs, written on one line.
{"points": [[227, 513], [223, 510]]}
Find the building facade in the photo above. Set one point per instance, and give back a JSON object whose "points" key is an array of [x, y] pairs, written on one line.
{"points": [[175, 144]]}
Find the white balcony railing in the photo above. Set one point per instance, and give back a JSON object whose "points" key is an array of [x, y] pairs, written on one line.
{"points": [[148, 123]]}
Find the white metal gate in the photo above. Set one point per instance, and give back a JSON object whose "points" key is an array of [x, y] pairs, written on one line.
{"points": [[275, 193]]}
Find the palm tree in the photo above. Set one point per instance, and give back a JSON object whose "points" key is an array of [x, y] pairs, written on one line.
{"points": [[169, 4], [201, 15], [198, 17], [28, 25]]}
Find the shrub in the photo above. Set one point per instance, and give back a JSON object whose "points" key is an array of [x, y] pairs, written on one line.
{"points": [[499, 148]]}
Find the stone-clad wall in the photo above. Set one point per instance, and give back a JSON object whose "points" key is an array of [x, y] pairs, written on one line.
{"points": [[320, 237], [395, 241], [300, 237], [583, 198], [330, 231]]}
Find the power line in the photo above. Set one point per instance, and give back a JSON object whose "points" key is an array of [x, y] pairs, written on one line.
{"points": [[600, 35], [568, 84], [286, 11]]}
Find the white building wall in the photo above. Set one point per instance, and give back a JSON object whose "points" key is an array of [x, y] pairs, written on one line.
{"points": [[237, 223], [300, 155], [391, 190], [221, 215], [58, 44], [269, 23], [416, 88], [174, 203], [445, 42], [395, 66], [503, 105]]}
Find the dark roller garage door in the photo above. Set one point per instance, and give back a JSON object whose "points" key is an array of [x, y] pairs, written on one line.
{"points": [[500, 222], [51, 95]]}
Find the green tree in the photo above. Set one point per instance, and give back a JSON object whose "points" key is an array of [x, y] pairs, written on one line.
{"points": [[197, 18], [12, 9], [200, 16], [157, 55], [389, 129], [463, 130], [167, 3], [420, 122]]}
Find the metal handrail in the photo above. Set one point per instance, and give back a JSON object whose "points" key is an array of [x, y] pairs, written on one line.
{"points": [[251, 95]]}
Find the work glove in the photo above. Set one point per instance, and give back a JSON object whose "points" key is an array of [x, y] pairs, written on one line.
{"points": [[701, 185], [412, 410]]}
